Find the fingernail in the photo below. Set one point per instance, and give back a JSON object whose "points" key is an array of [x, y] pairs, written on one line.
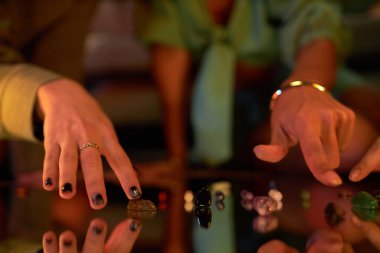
{"points": [[356, 221], [135, 193], [49, 240], [48, 181], [354, 174], [67, 243], [97, 199], [335, 180], [67, 187], [134, 226], [97, 230]]}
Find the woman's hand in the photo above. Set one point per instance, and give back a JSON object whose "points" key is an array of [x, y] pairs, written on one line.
{"points": [[320, 124], [76, 134]]}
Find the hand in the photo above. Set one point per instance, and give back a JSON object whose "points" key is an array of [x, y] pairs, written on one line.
{"points": [[370, 162], [322, 126], [370, 229], [122, 239], [73, 118]]}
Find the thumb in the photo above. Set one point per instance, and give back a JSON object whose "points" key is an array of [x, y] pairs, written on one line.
{"points": [[275, 151]]}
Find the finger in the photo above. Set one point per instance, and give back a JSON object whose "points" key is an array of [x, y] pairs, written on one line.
{"points": [[345, 127], [67, 242], [370, 229], [50, 169], [92, 169], [276, 246], [369, 163], [315, 158], [123, 169], [329, 141], [278, 148], [68, 165], [123, 237], [95, 237], [49, 242]]}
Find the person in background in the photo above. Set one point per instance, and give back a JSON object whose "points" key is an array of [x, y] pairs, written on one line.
{"points": [[241, 51], [41, 98]]}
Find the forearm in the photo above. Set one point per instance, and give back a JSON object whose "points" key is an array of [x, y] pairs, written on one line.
{"points": [[316, 62], [171, 67]]}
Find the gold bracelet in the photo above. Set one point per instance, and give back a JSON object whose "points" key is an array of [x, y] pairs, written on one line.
{"points": [[286, 86]]}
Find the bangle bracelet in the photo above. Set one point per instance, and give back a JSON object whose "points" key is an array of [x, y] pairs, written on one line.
{"points": [[286, 86]]}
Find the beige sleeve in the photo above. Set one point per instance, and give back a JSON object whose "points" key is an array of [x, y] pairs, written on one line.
{"points": [[18, 90]]}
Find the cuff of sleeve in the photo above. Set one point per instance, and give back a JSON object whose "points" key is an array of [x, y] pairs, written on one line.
{"points": [[20, 85]]}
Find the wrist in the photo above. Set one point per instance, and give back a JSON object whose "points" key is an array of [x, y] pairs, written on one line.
{"points": [[293, 84]]}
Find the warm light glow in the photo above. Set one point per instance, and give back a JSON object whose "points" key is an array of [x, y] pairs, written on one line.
{"points": [[189, 206], [188, 197]]}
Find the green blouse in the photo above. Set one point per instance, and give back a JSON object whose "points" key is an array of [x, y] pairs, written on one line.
{"points": [[259, 32]]}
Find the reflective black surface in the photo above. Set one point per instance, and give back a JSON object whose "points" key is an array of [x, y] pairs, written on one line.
{"points": [[32, 219]]}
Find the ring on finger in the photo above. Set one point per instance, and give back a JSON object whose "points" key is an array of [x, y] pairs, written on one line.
{"points": [[87, 145]]}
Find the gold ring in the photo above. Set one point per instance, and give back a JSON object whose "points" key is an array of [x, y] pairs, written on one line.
{"points": [[89, 144]]}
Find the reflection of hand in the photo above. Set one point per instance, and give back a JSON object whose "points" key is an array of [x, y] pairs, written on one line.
{"points": [[370, 229], [73, 118], [370, 162], [121, 240], [322, 126], [276, 246]]}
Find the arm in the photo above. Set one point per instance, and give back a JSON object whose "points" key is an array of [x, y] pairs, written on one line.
{"points": [[171, 68]]}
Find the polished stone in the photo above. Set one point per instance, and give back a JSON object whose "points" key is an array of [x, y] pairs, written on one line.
{"points": [[364, 200], [141, 205], [203, 216], [203, 198], [264, 205]]}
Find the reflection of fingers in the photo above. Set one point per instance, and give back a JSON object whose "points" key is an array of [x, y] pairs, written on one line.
{"points": [[276, 246], [50, 170], [123, 236], [92, 169], [345, 129], [68, 165], [370, 162], [370, 229], [49, 242], [330, 142], [123, 169], [96, 235], [67, 242]]}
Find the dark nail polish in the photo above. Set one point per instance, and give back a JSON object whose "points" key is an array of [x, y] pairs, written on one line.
{"points": [[49, 240], [97, 199], [67, 243], [134, 226], [135, 193], [48, 181], [97, 230], [67, 187]]}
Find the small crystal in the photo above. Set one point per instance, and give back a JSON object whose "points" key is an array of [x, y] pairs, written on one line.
{"points": [[220, 205], [364, 200], [265, 224], [203, 197], [219, 195], [203, 216], [276, 194], [246, 195], [264, 205]]}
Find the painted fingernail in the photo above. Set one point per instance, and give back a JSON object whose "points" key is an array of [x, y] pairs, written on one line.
{"points": [[48, 181], [97, 230], [48, 240], [134, 226], [135, 193], [354, 174], [67, 187], [67, 243], [97, 199]]}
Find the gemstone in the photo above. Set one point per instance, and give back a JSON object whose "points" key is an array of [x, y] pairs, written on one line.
{"points": [[334, 214], [203, 216], [244, 194], [203, 198], [247, 204], [275, 194], [219, 195], [264, 205], [220, 205], [364, 200], [265, 224], [141, 205]]}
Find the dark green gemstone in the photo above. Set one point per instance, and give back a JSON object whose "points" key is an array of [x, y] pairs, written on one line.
{"points": [[364, 200], [366, 214]]}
